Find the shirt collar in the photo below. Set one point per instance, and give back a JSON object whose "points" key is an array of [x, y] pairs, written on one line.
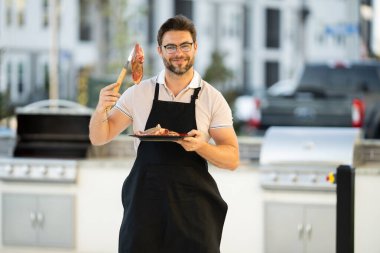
{"points": [[195, 82]]}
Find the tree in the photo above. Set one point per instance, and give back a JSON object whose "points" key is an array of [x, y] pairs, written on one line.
{"points": [[217, 73]]}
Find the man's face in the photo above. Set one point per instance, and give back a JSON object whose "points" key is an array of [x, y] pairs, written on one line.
{"points": [[178, 51]]}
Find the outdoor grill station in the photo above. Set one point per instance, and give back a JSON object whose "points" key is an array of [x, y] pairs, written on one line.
{"points": [[314, 159], [51, 136]]}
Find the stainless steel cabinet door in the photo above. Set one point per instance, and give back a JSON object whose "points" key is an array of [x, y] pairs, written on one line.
{"points": [[56, 221], [283, 228], [38, 220], [320, 223], [19, 219], [298, 228]]}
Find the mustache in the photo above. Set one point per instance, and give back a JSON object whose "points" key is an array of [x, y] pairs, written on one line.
{"points": [[179, 58]]}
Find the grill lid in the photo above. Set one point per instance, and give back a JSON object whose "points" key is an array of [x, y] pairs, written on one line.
{"points": [[52, 128], [54, 106], [310, 146]]}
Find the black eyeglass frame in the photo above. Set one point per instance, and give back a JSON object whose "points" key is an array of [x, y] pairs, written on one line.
{"points": [[178, 46]]}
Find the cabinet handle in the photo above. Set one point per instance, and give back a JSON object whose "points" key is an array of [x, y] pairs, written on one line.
{"points": [[40, 219], [308, 230], [33, 219], [300, 230]]}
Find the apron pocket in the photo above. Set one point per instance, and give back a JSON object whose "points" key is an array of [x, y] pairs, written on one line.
{"points": [[170, 182], [153, 185], [182, 192], [184, 184]]}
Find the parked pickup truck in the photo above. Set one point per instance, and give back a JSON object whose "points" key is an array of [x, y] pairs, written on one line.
{"points": [[338, 95]]}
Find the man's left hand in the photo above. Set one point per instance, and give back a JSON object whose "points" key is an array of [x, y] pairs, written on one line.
{"points": [[194, 141]]}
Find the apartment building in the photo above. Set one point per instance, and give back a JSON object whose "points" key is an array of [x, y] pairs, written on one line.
{"points": [[34, 36]]}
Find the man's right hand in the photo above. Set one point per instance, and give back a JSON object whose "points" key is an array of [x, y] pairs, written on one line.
{"points": [[107, 98]]}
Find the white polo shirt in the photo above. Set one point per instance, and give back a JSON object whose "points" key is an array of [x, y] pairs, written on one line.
{"points": [[211, 109]]}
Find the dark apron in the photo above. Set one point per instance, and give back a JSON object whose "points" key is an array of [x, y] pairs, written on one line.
{"points": [[171, 202]]}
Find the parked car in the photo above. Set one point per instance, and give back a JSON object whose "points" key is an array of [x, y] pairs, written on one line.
{"points": [[332, 95], [282, 88]]}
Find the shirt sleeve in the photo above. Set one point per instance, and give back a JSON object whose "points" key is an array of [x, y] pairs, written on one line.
{"points": [[221, 112], [125, 102]]}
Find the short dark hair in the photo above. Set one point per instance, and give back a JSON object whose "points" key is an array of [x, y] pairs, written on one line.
{"points": [[177, 23]]}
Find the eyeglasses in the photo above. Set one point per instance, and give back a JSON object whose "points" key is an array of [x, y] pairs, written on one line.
{"points": [[185, 47]]}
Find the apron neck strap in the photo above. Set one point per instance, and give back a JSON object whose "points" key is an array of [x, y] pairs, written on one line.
{"points": [[193, 97], [156, 91], [195, 94]]}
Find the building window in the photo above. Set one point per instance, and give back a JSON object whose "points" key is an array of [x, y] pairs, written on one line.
{"points": [[8, 12], [231, 26], [246, 75], [239, 25], [20, 86], [184, 7], [272, 38], [9, 76], [246, 27], [151, 10], [59, 16], [85, 31], [46, 80], [271, 72], [21, 12], [45, 13]]}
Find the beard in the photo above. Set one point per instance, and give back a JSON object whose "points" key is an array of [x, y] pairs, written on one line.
{"points": [[179, 70]]}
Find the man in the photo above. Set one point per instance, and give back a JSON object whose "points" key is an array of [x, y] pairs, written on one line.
{"points": [[171, 202]]}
